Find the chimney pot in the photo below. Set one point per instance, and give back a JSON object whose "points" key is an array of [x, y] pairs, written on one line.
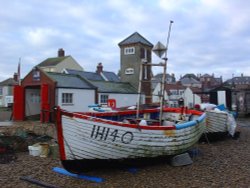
{"points": [[99, 68], [61, 52], [15, 77]]}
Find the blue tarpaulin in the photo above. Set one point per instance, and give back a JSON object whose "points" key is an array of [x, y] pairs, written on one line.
{"points": [[80, 176]]}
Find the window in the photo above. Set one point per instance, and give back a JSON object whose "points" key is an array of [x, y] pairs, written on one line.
{"points": [[129, 71], [35, 98], [36, 75], [51, 69], [67, 98], [175, 104], [174, 92], [190, 105], [129, 50], [104, 99], [181, 92], [144, 54], [145, 72], [1, 91]]}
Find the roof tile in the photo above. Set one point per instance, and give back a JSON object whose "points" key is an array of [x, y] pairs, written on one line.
{"points": [[135, 38]]}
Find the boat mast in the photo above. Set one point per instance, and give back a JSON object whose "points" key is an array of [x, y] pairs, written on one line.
{"points": [[160, 49], [139, 92]]}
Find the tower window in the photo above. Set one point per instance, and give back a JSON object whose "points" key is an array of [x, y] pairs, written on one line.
{"points": [[144, 53], [129, 50], [129, 71]]}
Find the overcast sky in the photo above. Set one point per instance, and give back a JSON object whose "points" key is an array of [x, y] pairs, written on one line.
{"points": [[208, 36]]}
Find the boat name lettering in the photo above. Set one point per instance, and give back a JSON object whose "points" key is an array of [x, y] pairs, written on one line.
{"points": [[104, 133]]}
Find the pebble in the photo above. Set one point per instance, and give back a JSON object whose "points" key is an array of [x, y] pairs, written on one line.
{"points": [[224, 163]]}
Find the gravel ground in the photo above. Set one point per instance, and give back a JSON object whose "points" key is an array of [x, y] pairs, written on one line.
{"points": [[224, 163]]}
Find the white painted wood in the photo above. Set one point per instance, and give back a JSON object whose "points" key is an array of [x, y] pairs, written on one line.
{"points": [[216, 122], [83, 141]]}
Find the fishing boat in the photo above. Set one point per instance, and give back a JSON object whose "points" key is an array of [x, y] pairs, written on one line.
{"points": [[103, 138], [93, 140], [220, 122]]}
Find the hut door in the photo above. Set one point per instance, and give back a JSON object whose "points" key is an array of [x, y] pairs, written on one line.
{"points": [[222, 97], [45, 107], [18, 105]]}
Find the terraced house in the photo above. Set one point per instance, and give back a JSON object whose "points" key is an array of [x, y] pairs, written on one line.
{"points": [[6, 91]]}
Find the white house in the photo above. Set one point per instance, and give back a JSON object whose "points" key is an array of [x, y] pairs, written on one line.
{"points": [[109, 86], [6, 91], [72, 92], [174, 93], [190, 98], [156, 94], [124, 93]]}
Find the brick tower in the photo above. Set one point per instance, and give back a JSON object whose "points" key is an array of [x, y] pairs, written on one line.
{"points": [[134, 50]]}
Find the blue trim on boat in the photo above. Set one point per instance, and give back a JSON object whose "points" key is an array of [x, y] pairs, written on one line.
{"points": [[202, 117], [185, 125], [98, 109], [190, 123]]}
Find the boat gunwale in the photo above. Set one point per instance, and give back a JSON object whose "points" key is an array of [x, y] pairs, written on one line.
{"points": [[137, 126]]}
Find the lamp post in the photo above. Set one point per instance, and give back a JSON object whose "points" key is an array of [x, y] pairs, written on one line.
{"points": [[159, 49]]}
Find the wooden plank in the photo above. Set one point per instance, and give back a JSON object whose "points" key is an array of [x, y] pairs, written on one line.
{"points": [[37, 182]]}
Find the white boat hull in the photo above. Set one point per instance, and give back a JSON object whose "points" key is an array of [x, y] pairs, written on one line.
{"points": [[83, 137], [216, 122], [220, 122]]}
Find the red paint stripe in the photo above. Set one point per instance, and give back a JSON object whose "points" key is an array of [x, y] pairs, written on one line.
{"points": [[60, 133], [129, 112], [93, 116], [179, 110], [135, 126], [195, 112]]}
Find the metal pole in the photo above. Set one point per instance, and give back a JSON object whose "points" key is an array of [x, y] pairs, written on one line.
{"points": [[139, 92], [163, 82]]}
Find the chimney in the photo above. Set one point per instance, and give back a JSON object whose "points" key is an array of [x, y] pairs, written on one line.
{"points": [[60, 52], [15, 77], [99, 68]]}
